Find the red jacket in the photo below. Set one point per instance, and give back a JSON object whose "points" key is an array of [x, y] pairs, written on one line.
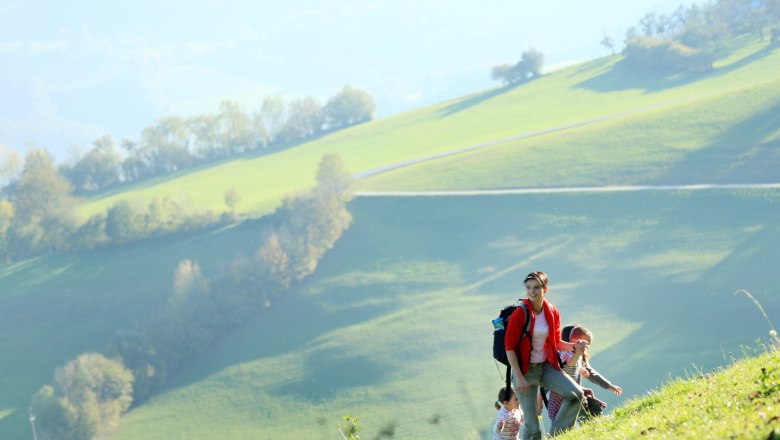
{"points": [[515, 329]]}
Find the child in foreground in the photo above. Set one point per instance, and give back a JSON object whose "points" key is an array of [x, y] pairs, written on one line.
{"points": [[510, 416]]}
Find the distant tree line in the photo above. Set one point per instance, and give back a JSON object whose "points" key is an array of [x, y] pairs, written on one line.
{"points": [[91, 391], [690, 38], [37, 215], [174, 143], [527, 68]]}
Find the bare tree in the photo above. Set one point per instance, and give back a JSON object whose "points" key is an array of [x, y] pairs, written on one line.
{"points": [[607, 40]]}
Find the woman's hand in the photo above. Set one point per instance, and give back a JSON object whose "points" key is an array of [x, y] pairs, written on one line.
{"points": [[616, 389], [522, 384]]}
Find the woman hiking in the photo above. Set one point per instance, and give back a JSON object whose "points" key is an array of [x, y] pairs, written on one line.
{"points": [[534, 358]]}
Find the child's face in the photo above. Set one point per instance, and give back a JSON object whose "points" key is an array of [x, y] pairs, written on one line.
{"points": [[576, 338], [512, 404]]}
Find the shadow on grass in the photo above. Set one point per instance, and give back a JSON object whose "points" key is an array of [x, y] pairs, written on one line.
{"points": [[327, 373], [737, 155], [624, 76], [476, 99], [292, 323]]}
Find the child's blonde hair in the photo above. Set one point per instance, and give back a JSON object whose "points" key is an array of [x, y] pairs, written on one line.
{"points": [[504, 395], [580, 332]]}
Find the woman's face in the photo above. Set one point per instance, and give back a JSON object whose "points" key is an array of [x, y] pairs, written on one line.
{"points": [[534, 291]]}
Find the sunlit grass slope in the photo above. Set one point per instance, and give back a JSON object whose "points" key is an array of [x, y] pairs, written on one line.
{"points": [[394, 327], [592, 90], [733, 137], [738, 402]]}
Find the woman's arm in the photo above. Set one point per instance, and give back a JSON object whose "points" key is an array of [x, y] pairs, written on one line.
{"points": [[522, 384]]}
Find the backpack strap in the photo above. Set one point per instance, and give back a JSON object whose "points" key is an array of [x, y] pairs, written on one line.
{"points": [[526, 329]]}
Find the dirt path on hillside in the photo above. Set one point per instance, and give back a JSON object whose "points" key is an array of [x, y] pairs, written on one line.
{"points": [[566, 190]]}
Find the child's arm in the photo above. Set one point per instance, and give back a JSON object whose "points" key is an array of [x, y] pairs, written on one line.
{"points": [[596, 377]]}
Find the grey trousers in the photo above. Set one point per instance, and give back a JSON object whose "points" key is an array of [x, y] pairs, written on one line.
{"points": [[547, 376]]}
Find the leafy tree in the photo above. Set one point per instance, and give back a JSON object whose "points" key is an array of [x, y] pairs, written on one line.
{"points": [[44, 217], [6, 218], [333, 179], [205, 129], [89, 395], [348, 107], [91, 233], [275, 261], [98, 168], [304, 120], [236, 129], [164, 146], [531, 63], [311, 224], [273, 113], [232, 198], [505, 73], [666, 55], [133, 167], [529, 67], [124, 223], [188, 280], [10, 165]]}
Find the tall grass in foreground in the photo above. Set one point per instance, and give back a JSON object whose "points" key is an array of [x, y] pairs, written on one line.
{"points": [[772, 329], [741, 401]]}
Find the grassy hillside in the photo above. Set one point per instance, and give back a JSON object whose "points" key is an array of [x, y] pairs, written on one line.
{"points": [[395, 325], [55, 307], [592, 90], [738, 402], [727, 138]]}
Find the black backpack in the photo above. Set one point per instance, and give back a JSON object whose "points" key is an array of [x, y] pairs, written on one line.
{"points": [[499, 333]]}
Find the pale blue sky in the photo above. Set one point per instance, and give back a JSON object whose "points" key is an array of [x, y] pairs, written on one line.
{"points": [[74, 70]]}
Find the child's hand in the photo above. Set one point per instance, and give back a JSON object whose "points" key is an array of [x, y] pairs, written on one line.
{"points": [[616, 389], [584, 372]]}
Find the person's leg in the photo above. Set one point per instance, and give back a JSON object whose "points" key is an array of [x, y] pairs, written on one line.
{"points": [[528, 402], [559, 382]]}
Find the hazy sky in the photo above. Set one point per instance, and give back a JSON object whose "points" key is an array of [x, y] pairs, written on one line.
{"points": [[71, 71]]}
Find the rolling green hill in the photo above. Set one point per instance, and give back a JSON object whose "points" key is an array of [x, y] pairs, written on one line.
{"points": [[602, 88], [394, 326]]}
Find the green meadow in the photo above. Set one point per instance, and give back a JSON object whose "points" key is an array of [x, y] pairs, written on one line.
{"points": [[394, 326], [727, 138], [602, 88]]}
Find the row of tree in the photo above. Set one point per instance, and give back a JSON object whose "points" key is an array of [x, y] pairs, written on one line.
{"points": [[37, 215], [92, 391], [529, 67], [690, 38], [173, 143]]}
